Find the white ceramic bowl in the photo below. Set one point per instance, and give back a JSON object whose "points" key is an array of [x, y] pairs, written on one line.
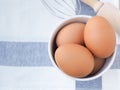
{"points": [[52, 47]]}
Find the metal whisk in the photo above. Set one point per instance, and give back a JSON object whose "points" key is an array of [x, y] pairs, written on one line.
{"points": [[62, 8]]}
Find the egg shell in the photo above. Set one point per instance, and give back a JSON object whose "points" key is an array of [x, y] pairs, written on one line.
{"points": [[99, 37], [75, 60], [71, 33], [99, 62]]}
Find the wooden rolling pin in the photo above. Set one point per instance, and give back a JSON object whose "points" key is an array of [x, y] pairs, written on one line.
{"points": [[108, 11]]}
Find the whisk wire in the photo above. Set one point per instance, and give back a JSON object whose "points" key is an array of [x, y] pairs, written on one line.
{"points": [[50, 9], [57, 8], [68, 5], [78, 7], [63, 5]]}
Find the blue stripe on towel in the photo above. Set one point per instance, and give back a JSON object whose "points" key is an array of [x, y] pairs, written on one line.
{"points": [[24, 54], [89, 85], [86, 10], [116, 64]]}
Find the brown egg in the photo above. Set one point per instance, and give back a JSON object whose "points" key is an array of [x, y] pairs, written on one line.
{"points": [[75, 60], [71, 33], [99, 62], [99, 37]]}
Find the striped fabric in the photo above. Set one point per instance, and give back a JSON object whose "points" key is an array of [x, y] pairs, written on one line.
{"points": [[25, 27]]}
